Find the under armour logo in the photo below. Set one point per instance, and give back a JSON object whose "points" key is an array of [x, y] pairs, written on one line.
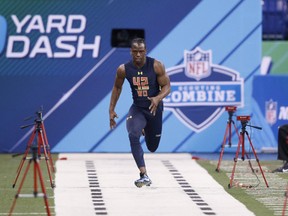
{"points": [[140, 73], [129, 117]]}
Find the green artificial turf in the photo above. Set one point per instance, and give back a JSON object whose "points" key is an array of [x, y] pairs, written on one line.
{"points": [[258, 208], [9, 165]]}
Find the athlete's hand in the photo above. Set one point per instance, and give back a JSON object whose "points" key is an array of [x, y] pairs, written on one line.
{"points": [[112, 115], [154, 104]]}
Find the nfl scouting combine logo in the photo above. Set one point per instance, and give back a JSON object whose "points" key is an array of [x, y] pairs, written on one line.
{"points": [[200, 90]]}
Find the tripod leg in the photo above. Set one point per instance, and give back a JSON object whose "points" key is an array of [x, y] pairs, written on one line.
{"points": [[236, 130], [243, 146], [38, 170], [20, 187], [230, 135], [31, 139], [258, 162], [48, 147], [222, 148], [235, 162], [41, 140], [35, 192], [27, 150]]}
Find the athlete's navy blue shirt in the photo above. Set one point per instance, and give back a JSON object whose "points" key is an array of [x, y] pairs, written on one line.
{"points": [[143, 82]]}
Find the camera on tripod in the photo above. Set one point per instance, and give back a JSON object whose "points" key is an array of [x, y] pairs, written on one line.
{"points": [[38, 119], [230, 108], [244, 120]]}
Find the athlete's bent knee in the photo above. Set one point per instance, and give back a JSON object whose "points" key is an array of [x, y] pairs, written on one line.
{"points": [[133, 137]]}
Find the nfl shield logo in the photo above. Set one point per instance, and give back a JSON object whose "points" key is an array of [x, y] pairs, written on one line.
{"points": [[197, 63], [271, 112], [198, 89]]}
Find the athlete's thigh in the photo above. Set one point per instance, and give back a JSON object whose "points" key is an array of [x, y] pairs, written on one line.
{"points": [[135, 121], [154, 126]]}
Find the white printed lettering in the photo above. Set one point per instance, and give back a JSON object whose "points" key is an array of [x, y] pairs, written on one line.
{"points": [[19, 24], [23, 49], [57, 22]]}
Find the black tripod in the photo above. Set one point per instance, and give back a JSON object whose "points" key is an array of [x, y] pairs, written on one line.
{"points": [[39, 136], [37, 174], [244, 121], [228, 132]]}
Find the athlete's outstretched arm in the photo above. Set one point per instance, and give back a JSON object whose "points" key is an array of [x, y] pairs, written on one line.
{"points": [[164, 82], [116, 91]]}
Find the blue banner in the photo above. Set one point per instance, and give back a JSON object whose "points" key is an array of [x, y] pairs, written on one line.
{"points": [[270, 93], [59, 56]]}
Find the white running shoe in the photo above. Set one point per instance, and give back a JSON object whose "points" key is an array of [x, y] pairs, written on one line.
{"points": [[144, 180], [283, 169]]}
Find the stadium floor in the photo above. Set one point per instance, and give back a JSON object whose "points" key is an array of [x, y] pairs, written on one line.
{"points": [[103, 184]]}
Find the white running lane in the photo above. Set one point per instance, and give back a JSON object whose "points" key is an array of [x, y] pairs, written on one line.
{"points": [[103, 184]]}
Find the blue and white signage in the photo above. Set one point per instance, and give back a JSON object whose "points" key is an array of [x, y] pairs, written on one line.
{"points": [[200, 89]]}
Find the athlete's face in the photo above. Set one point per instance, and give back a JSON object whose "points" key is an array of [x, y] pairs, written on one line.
{"points": [[138, 52]]}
